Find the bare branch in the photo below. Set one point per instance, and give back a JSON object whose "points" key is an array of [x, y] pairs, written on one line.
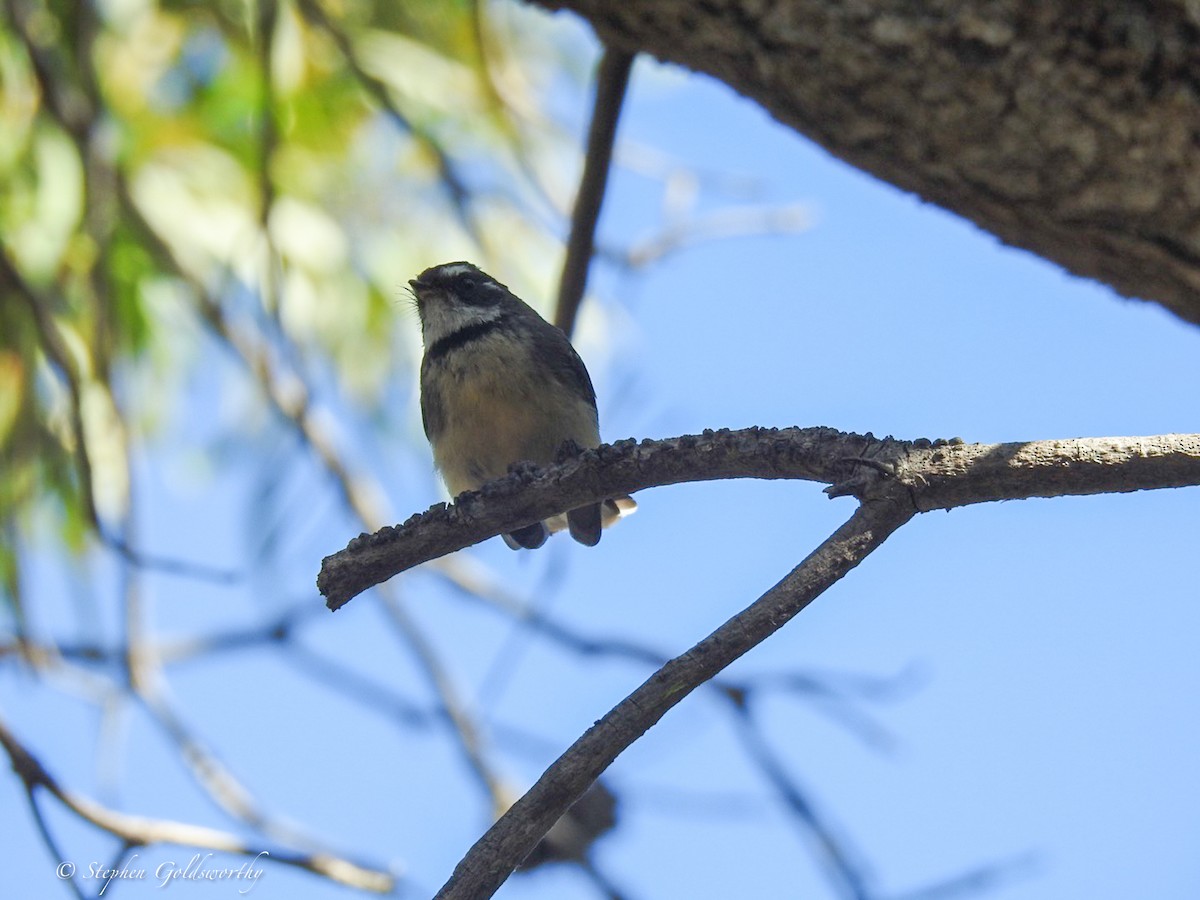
{"points": [[289, 395], [978, 880], [502, 848], [138, 831], [529, 495], [948, 477], [830, 694], [736, 222], [210, 773], [844, 867], [66, 101], [451, 706], [54, 346], [936, 474], [48, 837], [611, 81]]}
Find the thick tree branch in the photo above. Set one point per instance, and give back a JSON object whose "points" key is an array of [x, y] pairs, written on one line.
{"points": [[936, 475], [1064, 128], [515, 834]]}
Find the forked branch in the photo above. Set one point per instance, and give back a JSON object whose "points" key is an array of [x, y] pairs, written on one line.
{"points": [[516, 833], [893, 481]]}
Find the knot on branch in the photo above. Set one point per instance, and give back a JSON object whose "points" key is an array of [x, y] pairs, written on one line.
{"points": [[889, 469]]}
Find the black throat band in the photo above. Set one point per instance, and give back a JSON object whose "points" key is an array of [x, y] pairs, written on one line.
{"points": [[460, 338]]}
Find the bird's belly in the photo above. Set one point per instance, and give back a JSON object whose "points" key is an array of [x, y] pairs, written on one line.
{"points": [[492, 422]]}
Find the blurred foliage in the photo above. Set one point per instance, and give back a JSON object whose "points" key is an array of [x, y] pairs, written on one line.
{"points": [[269, 174]]}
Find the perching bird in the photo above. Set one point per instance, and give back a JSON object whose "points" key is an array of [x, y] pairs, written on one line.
{"points": [[500, 385]]}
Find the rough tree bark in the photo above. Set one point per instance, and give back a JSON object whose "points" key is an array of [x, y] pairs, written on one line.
{"points": [[1068, 129]]}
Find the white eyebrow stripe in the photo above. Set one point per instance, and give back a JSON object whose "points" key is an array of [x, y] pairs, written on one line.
{"points": [[452, 269]]}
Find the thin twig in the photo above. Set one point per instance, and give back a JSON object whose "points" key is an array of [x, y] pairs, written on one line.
{"points": [[210, 773], [138, 831], [611, 82], [290, 398], [735, 222], [44, 831], [268, 138], [846, 871], [978, 880], [169, 651], [452, 181], [829, 693], [469, 736], [67, 102], [55, 347], [59, 356]]}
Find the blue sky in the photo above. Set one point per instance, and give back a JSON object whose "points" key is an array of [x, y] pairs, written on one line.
{"points": [[1045, 649]]}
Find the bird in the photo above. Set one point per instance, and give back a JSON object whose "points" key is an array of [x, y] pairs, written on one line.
{"points": [[501, 385]]}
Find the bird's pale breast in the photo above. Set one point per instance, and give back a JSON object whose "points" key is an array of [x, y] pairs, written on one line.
{"points": [[502, 412]]}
